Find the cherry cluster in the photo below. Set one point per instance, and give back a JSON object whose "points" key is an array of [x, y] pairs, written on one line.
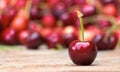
{"points": [[55, 23]]}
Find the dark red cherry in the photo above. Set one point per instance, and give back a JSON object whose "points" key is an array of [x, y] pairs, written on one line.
{"points": [[35, 12], [104, 2], [54, 39], [104, 23], [82, 53], [58, 9], [106, 43], [88, 10], [9, 37], [66, 19], [33, 41]]}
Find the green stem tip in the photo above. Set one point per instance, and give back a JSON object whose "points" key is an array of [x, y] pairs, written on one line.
{"points": [[79, 14]]}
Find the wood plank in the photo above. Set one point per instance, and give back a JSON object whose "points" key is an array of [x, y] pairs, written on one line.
{"points": [[55, 61]]}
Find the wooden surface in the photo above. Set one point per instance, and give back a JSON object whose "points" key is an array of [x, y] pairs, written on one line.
{"points": [[55, 61]]}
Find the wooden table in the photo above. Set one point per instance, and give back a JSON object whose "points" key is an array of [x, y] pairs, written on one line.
{"points": [[55, 61]]}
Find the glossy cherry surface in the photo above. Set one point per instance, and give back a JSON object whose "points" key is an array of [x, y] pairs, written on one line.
{"points": [[106, 44], [33, 41], [82, 53]]}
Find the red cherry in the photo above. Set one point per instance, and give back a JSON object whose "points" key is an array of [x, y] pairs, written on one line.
{"points": [[33, 26], [35, 12], [20, 4], [66, 19], [69, 35], [110, 9], [9, 37], [82, 53], [106, 43], [44, 32], [48, 20], [22, 36], [88, 10], [54, 39], [7, 16], [104, 24], [58, 9], [33, 41]]}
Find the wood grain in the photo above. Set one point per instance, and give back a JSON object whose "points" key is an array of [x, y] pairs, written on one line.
{"points": [[55, 61]]}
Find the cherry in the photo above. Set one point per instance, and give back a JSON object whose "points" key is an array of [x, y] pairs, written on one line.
{"points": [[104, 23], [82, 52], [44, 32], [48, 20], [8, 15], [33, 40], [110, 9], [35, 12], [105, 43], [69, 35], [104, 2], [9, 37], [22, 36], [20, 4], [88, 10], [33, 26], [58, 9], [66, 19], [54, 40], [68, 3]]}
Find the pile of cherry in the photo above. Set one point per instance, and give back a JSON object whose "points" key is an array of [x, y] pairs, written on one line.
{"points": [[55, 23]]}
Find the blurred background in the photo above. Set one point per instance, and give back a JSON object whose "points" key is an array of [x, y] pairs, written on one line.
{"points": [[54, 23]]}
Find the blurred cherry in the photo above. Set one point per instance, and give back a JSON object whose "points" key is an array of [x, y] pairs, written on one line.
{"points": [[106, 43], [54, 40], [22, 36], [9, 37], [88, 10], [66, 19], [48, 20], [69, 35], [33, 41], [110, 9], [104, 23], [35, 12], [59, 9]]}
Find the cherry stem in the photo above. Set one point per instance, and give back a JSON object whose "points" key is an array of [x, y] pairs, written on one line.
{"points": [[28, 7], [79, 14]]}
